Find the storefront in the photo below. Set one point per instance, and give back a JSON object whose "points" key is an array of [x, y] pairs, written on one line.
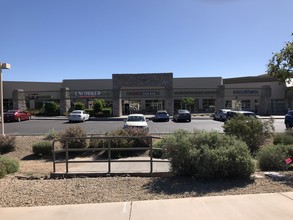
{"points": [[147, 93]]}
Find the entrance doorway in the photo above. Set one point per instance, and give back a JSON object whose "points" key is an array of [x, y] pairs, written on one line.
{"points": [[152, 106], [142, 106]]}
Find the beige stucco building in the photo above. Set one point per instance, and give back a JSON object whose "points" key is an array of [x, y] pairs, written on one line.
{"points": [[149, 92]]}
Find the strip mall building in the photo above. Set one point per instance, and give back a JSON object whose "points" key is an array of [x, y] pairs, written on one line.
{"points": [[146, 93]]}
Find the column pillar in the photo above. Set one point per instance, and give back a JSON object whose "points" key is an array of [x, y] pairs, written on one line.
{"points": [[18, 99], [65, 101]]}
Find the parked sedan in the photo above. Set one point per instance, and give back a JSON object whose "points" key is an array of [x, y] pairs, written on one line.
{"points": [[78, 115], [161, 115], [16, 115], [136, 121], [182, 115]]}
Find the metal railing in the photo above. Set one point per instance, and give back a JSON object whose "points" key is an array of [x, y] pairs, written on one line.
{"points": [[109, 149]]}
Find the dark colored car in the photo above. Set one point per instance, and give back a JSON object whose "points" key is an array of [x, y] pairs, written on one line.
{"points": [[16, 115], [289, 119], [161, 115], [182, 115]]}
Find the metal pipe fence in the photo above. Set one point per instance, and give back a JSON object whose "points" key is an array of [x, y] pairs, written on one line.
{"points": [[106, 145]]}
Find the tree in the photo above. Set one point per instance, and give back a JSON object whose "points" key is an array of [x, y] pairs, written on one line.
{"points": [[188, 102], [280, 65], [79, 106], [99, 104]]}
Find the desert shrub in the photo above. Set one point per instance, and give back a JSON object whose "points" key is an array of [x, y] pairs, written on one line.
{"points": [[43, 148], [51, 134], [273, 157], [77, 134], [207, 155], [128, 138], [2, 170], [251, 130], [158, 151], [7, 144], [283, 138], [10, 165]]}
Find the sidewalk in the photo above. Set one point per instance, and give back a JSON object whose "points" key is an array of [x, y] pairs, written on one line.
{"points": [[271, 206]]}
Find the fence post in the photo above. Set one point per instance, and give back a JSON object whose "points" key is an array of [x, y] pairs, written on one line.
{"points": [[66, 154], [151, 154], [54, 157], [109, 155]]}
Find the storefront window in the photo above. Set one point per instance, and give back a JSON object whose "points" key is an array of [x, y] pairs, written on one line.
{"points": [[228, 104], [245, 105], [209, 105]]}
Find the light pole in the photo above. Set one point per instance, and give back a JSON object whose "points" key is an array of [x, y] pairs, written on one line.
{"points": [[2, 66]]}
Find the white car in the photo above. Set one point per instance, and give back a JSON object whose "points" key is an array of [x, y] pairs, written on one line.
{"points": [[78, 115], [136, 121]]}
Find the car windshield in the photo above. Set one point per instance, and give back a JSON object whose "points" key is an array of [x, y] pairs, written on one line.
{"points": [[77, 112], [161, 113], [135, 118], [183, 111], [249, 114], [12, 111]]}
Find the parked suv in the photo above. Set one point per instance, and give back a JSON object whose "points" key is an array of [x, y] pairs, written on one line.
{"points": [[289, 119]]}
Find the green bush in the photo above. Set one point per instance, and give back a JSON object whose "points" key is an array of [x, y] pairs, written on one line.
{"points": [[7, 144], [10, 165], [208, 155], [43, 148], [283, 138], [273, 157], [75, 132], [251, 130], [128, 138], [78, 106], [51, 109]]}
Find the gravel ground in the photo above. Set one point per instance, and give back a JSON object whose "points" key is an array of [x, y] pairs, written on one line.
{"points": [[30, 187]]}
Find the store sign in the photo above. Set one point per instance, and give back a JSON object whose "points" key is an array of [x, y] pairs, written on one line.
{"points": [[245, 92], [87, 94], [143, 93]]}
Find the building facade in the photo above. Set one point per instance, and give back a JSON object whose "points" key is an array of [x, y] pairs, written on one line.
{"points": [[148, 92]]}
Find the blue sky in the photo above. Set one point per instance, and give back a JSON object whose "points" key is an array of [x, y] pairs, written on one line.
{"points": [[52, 40]]}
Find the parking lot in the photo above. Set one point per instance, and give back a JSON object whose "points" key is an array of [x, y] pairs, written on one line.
{"points": [[43, 126]]}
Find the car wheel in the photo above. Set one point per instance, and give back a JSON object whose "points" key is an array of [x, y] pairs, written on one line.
{"points": [[288, 125]]}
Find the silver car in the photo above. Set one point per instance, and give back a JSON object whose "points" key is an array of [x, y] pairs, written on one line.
{"points": [[221, 114]]}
